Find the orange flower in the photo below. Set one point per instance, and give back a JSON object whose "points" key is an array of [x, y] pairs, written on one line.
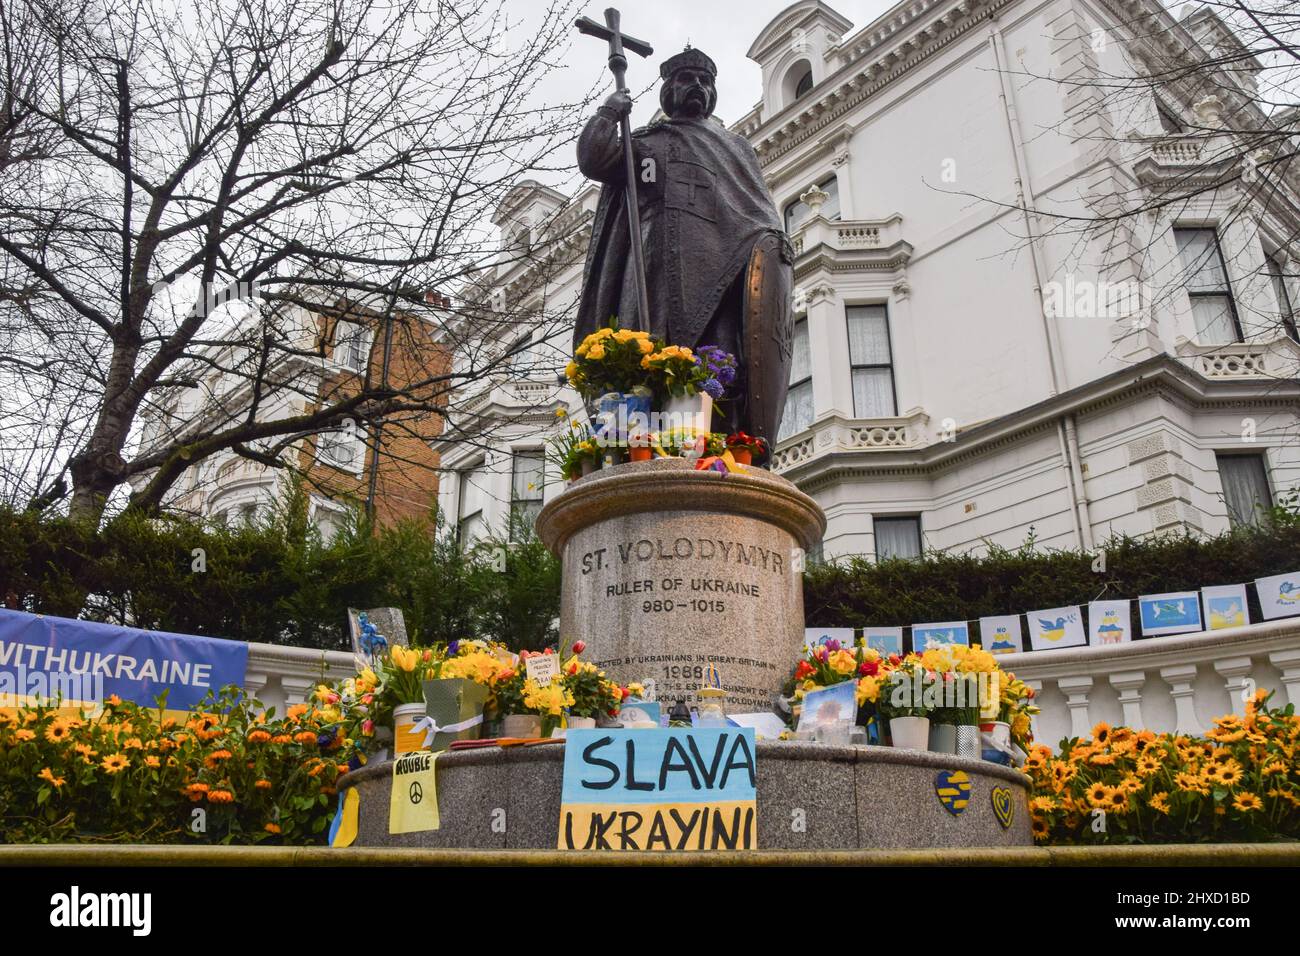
{"points": [[48, 774], [220, 796], [263, 784], [272, 828], [58, 731], [296, 711], [24, 735], [113, 701], [133, 743], [214, 758], [305, 737], [152, 761], [282, 739], [258, 737]]}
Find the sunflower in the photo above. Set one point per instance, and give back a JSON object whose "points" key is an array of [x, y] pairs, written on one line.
{"points": [[1225, 736], [1038, 826], [1116, 799], [263, 784], [24, 735], [1227, 774], [114, 763], [58, 731], [221, 796], [1129, 784], [272, 828], [258, 737], [1148, 765], [152, 761], [1159, 802], [1274, 766], [305, 737], [1246, 802], [1192, 783], [1102, 759], [1099, 794], [1101, 733]]}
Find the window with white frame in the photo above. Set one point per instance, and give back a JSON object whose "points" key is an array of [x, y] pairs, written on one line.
{"points": [[1276, 266], [1245, 488], [329, 519], [352, 346], [343, 448], [1213, 308], [871, 362], [527, 485], [799, 398], [471, 520], [897, 536], [797, 212]]}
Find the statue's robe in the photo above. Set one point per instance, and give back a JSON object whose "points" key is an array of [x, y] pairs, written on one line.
{"points": [[703, 206]]}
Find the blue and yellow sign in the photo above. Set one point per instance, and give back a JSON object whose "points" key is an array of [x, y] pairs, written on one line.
{"points": [[953, 788], [659, 789], [82, 663]]}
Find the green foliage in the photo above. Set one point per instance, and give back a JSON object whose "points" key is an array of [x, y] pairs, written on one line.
{"points": [[275, 581], [856, 592]]}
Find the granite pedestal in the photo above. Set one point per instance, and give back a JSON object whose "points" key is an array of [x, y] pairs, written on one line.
{"points": [[667, 570], [809, 797]]}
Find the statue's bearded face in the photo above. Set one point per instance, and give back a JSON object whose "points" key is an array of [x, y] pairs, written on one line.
{"points": [[689, 93]]}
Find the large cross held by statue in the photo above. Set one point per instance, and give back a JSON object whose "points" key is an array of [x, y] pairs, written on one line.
{"points": [[618, 42]]}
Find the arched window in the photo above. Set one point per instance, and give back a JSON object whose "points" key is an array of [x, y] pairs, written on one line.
{"points": [[797, 81]]}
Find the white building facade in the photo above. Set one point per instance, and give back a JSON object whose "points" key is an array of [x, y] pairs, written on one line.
{"points": [[971, 367]]}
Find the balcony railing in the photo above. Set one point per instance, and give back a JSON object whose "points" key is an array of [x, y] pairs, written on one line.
{"points": [[1278, 359], [835, 434], [1173, 684], [847, 235]]}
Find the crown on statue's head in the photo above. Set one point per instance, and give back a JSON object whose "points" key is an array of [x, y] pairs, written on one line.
{"points": [[688, 58]]}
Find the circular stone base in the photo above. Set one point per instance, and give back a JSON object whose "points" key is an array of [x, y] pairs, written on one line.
{"points": [[810, 797]]}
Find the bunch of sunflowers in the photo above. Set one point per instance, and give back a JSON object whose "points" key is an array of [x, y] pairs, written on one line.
{"points": [[1240, 782], [134, 774]]}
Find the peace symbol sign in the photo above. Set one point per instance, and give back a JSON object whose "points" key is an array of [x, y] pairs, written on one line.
{"points": [[417, 792]]}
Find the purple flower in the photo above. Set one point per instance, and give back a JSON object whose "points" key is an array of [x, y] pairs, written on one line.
{"points": [[453, 648], [726, 375], [713, 388]]}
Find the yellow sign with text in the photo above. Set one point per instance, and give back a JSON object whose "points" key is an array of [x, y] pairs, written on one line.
{"points": [[413, 805]]}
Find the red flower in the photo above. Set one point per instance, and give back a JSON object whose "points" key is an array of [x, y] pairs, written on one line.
{"points": [[523, 655], [895, 659], [803, 670], [868, 668], [579, 646]]}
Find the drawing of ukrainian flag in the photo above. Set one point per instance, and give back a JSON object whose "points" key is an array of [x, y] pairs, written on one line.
{"points": [[953, 788]]}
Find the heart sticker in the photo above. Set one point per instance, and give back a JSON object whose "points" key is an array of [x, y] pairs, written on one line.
{"points": [[1003, 808], [953, 788]]}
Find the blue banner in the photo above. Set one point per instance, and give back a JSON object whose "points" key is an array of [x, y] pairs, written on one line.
{"points": [[85, 662]]}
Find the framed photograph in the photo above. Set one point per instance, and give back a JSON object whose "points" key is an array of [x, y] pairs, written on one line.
{"points": [[1002, 634], [1109, 623], [1056, 627], [1225, 606], [925, 636], [1174, 613]]}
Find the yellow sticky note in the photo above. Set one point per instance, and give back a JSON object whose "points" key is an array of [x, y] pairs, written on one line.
{"points": [[413, 805], [347, 831]]}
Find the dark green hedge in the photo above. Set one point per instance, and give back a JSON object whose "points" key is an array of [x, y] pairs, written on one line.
{"points": [[944, 587], [275, 581]]}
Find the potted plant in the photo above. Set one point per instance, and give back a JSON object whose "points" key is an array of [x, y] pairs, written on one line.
{"points": [[746, 448], [902, 702], [608, 371], [688, 382], [402, 672], [591, 692]]}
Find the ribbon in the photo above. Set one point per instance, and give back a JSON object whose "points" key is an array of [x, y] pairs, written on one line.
{"points": [[726, 462], [431, 728]]}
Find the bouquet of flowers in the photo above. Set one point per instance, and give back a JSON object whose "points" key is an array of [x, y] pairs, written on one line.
{"points": [[610, 360], [591, 692]]}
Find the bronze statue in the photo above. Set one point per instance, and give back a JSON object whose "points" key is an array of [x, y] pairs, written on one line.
{"points": [[718, 265]]}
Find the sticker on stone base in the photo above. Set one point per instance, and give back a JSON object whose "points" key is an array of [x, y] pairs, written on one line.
{"points": [[953, 788], [1003, 808]]}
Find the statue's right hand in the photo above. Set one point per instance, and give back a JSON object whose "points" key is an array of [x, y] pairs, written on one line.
{"points": [[620, 103]]}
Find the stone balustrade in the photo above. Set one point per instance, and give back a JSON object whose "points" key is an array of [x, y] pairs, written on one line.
{"points": [[1278, 359], [834, 433], [1177, 684], [279, 675]]}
